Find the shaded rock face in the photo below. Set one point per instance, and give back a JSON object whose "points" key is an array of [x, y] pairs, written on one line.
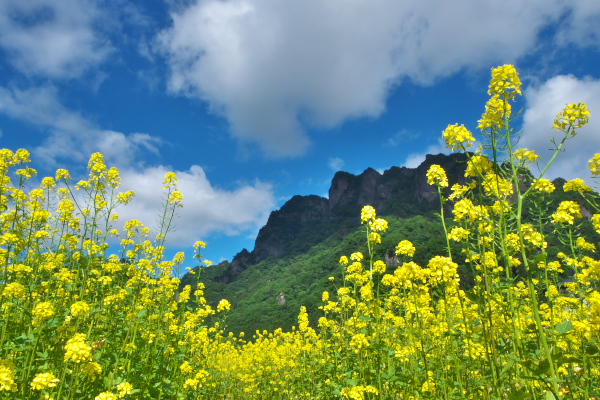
{"points": [[375, 189], [352, 192], [283, 225]]}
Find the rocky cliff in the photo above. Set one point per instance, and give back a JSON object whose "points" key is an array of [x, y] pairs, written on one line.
{"points": [[394, 191]]}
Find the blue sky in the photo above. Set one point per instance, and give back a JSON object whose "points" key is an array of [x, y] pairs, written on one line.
{"points": [[254, 101]]}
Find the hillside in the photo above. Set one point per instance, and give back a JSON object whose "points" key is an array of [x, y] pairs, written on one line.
{"points": [[299, 248]]}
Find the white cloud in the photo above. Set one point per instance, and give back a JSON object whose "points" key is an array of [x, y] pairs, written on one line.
{"points": [[206, 209], [415, 159], [581, 24], [543, 103], [335, 163], [56, 39], [72, 138], [273, 68]]}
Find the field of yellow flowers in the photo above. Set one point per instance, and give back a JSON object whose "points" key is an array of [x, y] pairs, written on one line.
{"points": [[82, 321]]}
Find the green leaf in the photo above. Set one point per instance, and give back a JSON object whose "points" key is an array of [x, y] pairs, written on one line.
{"points": [[563, 328], [590, 349], [507, 367], [540, 258], [520, 394]]}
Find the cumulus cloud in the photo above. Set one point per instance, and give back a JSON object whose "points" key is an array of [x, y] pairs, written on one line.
{"points": [[56, 39], [543, 103], [206, 209], [580, 24], [335, 163], [72, 138], [273, 68]]}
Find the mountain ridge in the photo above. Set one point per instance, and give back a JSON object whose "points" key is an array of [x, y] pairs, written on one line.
{"points": [[298, 249], [347, 194]]}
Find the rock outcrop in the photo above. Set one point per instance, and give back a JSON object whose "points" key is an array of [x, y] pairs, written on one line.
{"points": [[395, 188]]}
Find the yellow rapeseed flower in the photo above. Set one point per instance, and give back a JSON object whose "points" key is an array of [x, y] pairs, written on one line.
{"points": [[497, 186], [573, 116], [595, 164], [379, 267], [478, 165], [14, 290], [458, 137], [42, 311], [496, 111], [544, 185], [91, 369], [567, 212], [80, 308], [368, 214], [124, 389], [585, 245], [77, 349], [458, 234], [7, 375], [106, 396], [505, 82], [63, 174], [44, 381], [96, 163], [379, 225], [437, 176], [223, 305], [526, 155], [176, 197], [405, 247], [576, 185]]}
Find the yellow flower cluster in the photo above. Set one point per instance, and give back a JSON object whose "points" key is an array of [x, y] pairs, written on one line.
{"points": [[42, 311], [567, 212], [124, 389], [14, 290], [544, 185], [44, 381], [358, 392], [573, 116], [458, 234], [7, 373], [576, 185], [437, 176], [497, 186], [386, 330], [595, 164], [405, 247], [106, 396], [505, 82], [458, 137], [526, 155], [77, 349], [478, 165], [496, 110]]}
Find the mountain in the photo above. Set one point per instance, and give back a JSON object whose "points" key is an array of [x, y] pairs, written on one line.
{"points": [[308, 234], [299, 247], [403, 192]]}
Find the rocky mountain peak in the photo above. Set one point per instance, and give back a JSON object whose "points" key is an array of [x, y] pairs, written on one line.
{"points": [[397, 187]]}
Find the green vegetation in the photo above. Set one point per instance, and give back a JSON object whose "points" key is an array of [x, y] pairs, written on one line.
{"points": [[302, 277], [478, 310]]}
